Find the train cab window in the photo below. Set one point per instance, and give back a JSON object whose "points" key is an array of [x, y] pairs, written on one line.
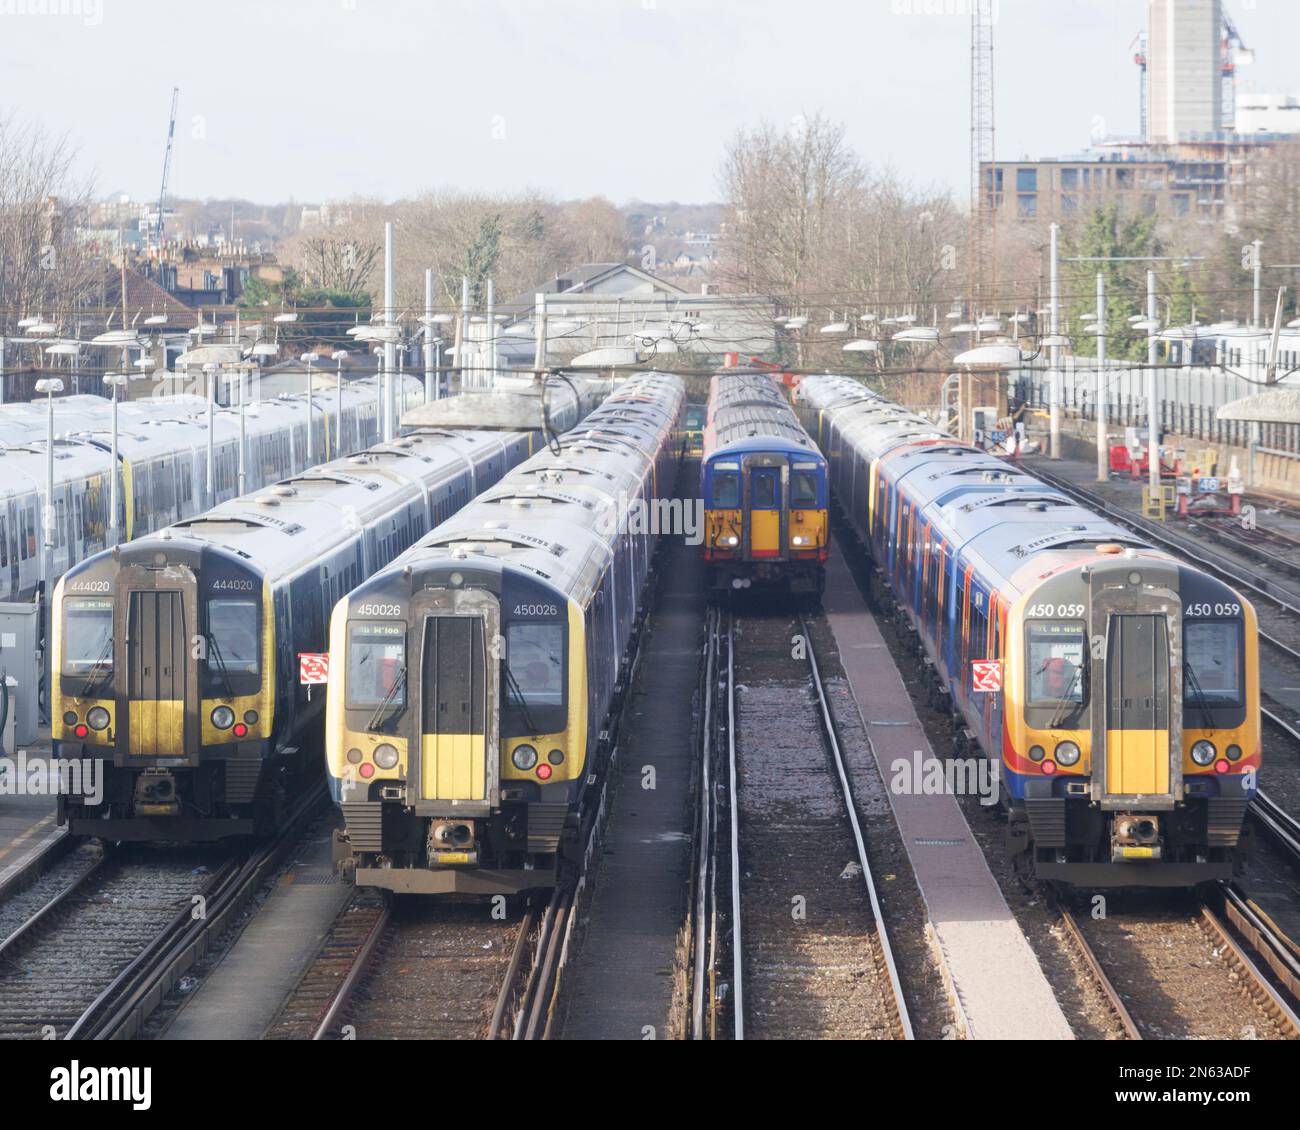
{"points": [[1056, 654], [87, 636], [726, 490], [376, 664], [533, 679], [765, 488], [803, 486], [233, 649], [535, 663], [1212, 662]]}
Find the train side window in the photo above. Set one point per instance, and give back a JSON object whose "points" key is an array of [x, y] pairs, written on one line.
{"points": [[4, 542]]}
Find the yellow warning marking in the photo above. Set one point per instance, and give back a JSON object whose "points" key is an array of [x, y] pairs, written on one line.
{"points": [[27, 835]]}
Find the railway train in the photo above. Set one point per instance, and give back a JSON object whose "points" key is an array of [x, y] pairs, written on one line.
{"points": [[764, 487], [176, 656], [162, 465], [1116, 688], [481, 671]]}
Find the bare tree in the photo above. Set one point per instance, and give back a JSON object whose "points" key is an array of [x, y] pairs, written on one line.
{"points": [[45, 269]]}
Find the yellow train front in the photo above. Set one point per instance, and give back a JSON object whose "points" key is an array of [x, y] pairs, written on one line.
{"points": [[474, 682], [165, 676], [765, 490], [1130, 720]]}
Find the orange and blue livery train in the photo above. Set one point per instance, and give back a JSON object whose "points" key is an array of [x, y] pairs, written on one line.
{"points": [[1116, 687], [764, 486]]}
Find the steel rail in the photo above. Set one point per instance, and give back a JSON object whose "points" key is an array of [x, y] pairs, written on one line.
{"points": [[50, 907], [123, 1006], [506, 993], [700, 933], [1113, 999], [846, 790], [737, 948], [355, 972], [1256, 930]]}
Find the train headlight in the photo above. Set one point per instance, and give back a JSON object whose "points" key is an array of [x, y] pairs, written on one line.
{"points": [[1233, 752], [1067, 753], [1037, 753], [798, 539], [731, 540], [1203, 752], [223, 717], [354, 756], [386, 756], [524, 757], [555, 757], [97, 717]]}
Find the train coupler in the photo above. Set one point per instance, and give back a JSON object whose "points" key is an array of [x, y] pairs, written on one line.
{"points": [[155, 794], [1135, 836]]}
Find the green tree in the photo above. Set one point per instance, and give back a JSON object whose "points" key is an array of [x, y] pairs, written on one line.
{"points": [[1106, 235], [482, 256]]}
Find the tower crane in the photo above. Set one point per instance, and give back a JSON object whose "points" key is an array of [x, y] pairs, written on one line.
{"points": [[167, 166]]}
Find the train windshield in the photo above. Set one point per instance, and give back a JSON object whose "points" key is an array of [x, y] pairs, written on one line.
{"points": [[1212, 662], [376, 663], [533, 679], [803, 486], [1057, 657], [726, 490], [232, 644], [87, 636]]}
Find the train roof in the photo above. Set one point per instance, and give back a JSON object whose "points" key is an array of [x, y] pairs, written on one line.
{"points": [[748, 411], [280, 529], [555, 517]]}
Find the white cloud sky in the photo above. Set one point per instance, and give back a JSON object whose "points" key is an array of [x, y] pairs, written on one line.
{"points": [[316, 99]]}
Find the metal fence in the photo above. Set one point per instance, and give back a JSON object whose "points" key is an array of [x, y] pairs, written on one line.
{"points": [[1189, 399]]}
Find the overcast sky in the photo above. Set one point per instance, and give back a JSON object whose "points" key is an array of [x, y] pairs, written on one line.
{"points": [[315, 99]]}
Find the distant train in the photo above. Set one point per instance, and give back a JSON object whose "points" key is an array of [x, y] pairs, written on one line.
{"points": [[176, 657], [696, 417], [764, 486], [1117, 688], [162, 466], [477, 674]]}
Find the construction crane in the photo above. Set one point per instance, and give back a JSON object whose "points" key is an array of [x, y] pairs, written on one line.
{"points": [[984, 196], [1232, 53], [1140, 58], [167, 166]]}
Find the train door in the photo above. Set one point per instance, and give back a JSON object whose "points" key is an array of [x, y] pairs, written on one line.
{"points": [[1137, 761], [458, 724], [765, 519], [153, 696]]}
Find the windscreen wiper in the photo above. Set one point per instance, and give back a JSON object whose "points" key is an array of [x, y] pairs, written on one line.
{"points": [[1189, 673], [1065, 701], [376, 718], [214, 649], [512, 685], [99, 670]]}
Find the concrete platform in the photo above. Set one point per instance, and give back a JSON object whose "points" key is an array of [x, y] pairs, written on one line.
{"points": [[27, 831], [996, 979], [242, 996]]}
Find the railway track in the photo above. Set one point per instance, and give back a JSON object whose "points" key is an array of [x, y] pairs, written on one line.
{"points": [[1128, 1026], [97, 958], [432, 970], [809, 950]]}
